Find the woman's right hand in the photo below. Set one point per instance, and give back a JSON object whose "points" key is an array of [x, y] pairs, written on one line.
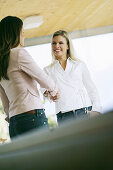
{"points": [[46, 93], [53, 98], [56, 97]]}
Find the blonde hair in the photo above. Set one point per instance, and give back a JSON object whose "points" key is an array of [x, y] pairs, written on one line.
{"points": [[70, 51]]}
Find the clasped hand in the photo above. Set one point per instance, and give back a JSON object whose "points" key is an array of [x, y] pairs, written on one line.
{"points": [[53, 98]]}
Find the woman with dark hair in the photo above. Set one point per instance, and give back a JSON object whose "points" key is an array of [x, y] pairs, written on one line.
{"points": [[78, 94], [19, 75]]}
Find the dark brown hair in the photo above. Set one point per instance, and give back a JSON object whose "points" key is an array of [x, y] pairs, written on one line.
{"points": [[10, 28]]}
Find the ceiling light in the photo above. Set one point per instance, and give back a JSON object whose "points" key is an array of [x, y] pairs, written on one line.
{"points": [[32, 22]]}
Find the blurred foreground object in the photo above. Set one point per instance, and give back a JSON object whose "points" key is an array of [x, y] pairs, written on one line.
{"points": [[4, 130], [75, 145], [52, 121]]}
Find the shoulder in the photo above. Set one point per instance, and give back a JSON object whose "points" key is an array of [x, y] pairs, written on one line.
{"points": [[14, 51], [83, 64], [75, 62], [78, 61], [18, 51], [21, 55], [79, 64], [22, 51], [50, 67]]}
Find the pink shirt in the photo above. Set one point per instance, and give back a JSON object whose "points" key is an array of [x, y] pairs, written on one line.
{"points": [[20, 94]]}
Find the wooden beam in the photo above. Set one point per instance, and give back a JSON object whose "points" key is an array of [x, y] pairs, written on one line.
{"points": [[73, 35]]}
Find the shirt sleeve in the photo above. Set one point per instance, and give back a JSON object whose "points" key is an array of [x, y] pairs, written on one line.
{"points": [[5, 101], [45, 98], [91, 89], [43, 89], [30, 67]]}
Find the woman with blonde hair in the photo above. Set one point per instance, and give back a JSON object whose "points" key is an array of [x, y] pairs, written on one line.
{"points": [[78, 94]]}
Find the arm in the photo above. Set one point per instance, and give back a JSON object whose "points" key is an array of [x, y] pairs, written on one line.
{"points": [[91, 89], [29, 66], [5, 101], [44, 91], [47, 94]]}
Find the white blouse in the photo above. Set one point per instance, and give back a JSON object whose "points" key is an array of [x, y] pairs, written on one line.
{"points": [[77, 90]]}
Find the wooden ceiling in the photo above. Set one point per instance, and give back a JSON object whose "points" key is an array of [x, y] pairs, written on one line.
{"points": [[70, 15]]}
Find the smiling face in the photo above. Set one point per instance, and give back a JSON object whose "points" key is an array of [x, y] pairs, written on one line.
{"points": [[59, 47]]}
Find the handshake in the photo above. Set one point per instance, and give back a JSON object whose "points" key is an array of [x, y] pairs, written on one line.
{"points": [[53, 98]]}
